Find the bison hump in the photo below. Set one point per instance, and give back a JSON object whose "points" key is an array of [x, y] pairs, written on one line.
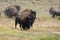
{"points": [[24, 15]]}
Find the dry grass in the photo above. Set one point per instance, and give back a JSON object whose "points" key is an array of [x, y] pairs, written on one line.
{"points": [[41, 30]]}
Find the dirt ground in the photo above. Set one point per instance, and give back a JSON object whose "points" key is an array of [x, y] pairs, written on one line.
{"points": [[51, 25]]}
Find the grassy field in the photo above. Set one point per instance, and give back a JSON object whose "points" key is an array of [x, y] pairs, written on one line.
{"points": [[44, 28], [6, 34]]}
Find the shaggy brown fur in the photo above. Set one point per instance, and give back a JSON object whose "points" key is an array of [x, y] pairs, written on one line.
{"points": [[25, 18], [24, 14], [54, 11], [12, 10]]}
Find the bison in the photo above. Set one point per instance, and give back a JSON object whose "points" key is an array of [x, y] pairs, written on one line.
{"points": [[12, 10], [26, 19], [54, 11]]}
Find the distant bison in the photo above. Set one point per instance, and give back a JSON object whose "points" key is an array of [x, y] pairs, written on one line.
{"points": [[26, 19], [12, 10], [54, 11]]}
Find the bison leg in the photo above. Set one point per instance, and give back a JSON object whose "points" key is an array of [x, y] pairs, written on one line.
{"points": [[53, 15], [21, 26], [15, 23]]}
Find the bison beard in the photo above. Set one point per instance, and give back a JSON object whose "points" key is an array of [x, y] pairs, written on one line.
{"points": [[26, 25], [26, 21]]}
